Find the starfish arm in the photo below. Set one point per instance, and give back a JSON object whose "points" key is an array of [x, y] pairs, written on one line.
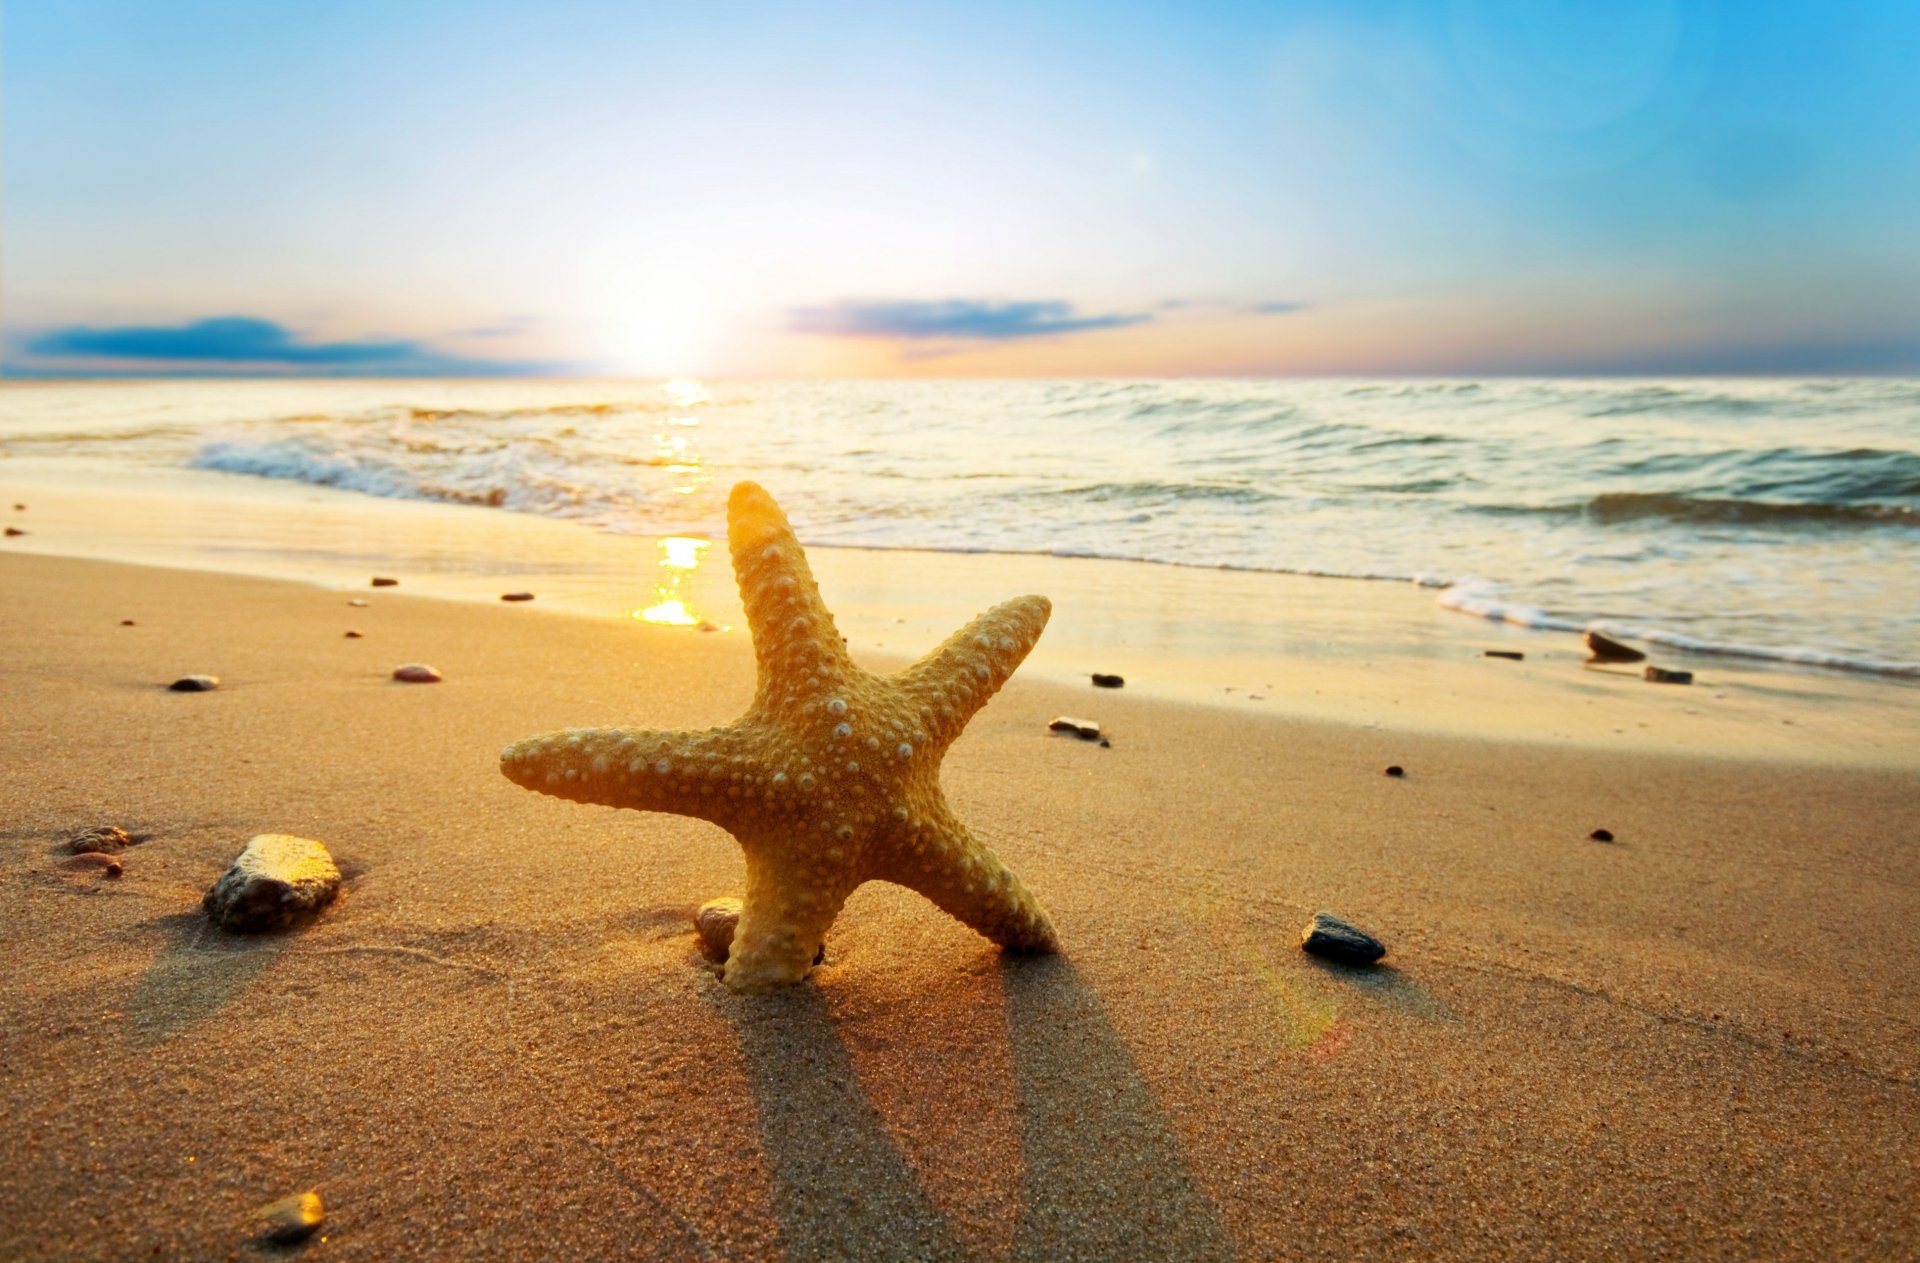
{"points": [[967, 881], [708, 774], [793, 634], [783, 921], [955, 680]]}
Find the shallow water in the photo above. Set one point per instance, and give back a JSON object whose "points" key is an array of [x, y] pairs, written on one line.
{"points": [[1776, 518]]}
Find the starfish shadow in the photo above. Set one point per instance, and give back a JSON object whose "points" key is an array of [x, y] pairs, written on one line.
{"points": [[1106, 1177], [842, 1188], [195, 975]]}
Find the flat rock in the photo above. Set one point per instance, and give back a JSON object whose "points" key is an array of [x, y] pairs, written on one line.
{"points": [[1328, 936], [1101, 680], [516, 596], [381, 581], [1511, 655], [715, 921], [1603, 649], [1661, 675], [354, 633], [195, 684], [292, 1219], [1085, 729], [14, 530], [357, 603], [417, 673], [126, 622], [93, 862], [106, 838], [278, 880]]}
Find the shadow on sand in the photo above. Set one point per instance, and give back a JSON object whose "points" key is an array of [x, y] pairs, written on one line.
{"points": [[1105, 1177], [195, 975]]}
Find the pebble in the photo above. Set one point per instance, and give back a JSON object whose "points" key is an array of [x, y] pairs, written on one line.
{"points": [[14, 530], [1101, 681], [94, 862], [1601, 835], [1105, 744], [705, 626], [715, 922], [1601, 649], [516, 596], [353, 634], [292, 1219], [1085, 729], [1394, 769], [417, 673], [1513, 655], [1661, 675], [102, 837], [380, 581], [1327, 935], [276, 881], [357, 603], [195, 684], [19, 508], [126, 622]]}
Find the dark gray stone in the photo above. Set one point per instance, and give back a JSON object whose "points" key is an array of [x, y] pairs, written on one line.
{"points": [[1327, 935], [1601, 649]]}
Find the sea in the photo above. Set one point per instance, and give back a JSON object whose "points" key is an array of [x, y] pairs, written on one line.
{"points": [[1769, 519]]}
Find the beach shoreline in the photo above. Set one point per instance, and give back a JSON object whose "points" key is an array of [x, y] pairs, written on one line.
{"points": [[1697, 1038], [1369, 653]]}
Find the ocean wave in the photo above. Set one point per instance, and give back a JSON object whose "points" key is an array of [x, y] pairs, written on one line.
{"points": [[1631, 506]]}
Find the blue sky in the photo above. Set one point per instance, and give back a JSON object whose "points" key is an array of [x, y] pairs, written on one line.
{"points": [[1467, 187]]}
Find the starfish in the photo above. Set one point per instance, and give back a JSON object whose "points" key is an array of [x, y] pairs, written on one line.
{"points": [[831, 778]]}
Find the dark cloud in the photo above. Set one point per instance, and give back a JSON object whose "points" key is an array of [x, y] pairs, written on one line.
{"points": [[1276, 309], [951, 319], [249, 344]]}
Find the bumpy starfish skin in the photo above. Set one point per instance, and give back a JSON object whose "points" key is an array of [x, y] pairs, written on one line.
{"points": [[831, 778]]}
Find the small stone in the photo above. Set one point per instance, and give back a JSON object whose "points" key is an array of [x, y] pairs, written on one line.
{"points": [[1105, 744], [103, 837], [417, 673], [1327, 935], [1602, 649], [19, 508], [195, 684], [94, 862], [276, 881], [516, 596], [1101, 681], [705, 626], [715, 921], [354, 634], [1394, 769], [292, 1219], [1601, 835], [1085, 729], [1512, 655], [14, 530], [126, 622], [357, 603], [380, 581], [1661, 675]]}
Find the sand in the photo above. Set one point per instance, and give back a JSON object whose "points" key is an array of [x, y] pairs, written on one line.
{"points": [[1701, 1040]]}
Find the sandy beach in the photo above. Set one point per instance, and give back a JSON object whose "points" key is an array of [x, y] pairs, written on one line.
{"points": [[1698, 1040]]}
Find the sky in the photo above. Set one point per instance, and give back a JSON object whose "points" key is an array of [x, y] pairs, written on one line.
{"points": [[1335, 187]]}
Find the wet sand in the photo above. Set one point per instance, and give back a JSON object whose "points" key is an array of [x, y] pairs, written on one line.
{"points": [[1701, 1040]]}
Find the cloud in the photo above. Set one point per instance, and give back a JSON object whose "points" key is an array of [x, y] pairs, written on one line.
{"points": [[1276, 309], [242, 344], [951, 319]]}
